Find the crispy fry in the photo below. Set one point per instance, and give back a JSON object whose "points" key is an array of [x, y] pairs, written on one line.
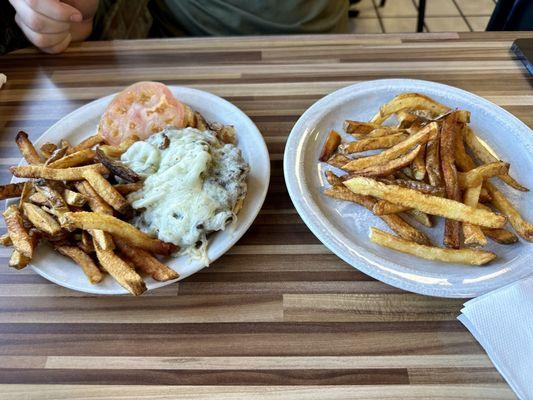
{"points": [[338, 160], [47, 149], [121, 229], [419, 165], [384, 207], [146, 262], [406, 119], [96, 203], [56, 155], [477, 147], [408, 101], [73, 198], [332, 143], [420, 217], [473, 235], [501, 236], [107, 192], [121, 271], [18, 260], [88, 143], [86, 242], [433, 162], [41, 219], [116, 151], [65, 143], [83, 260], [27, 189], [450, 130], [383, 142], [427, 133], [20, 237], [53, 197], [78, 158], [429, 204], [416, 185], [11, 190], [127, 188], [521, 226], [484, 196], [475, 176], [389, 167], [103, 239], [460, 256], [5, 240], [359, 129], [117, 167], [66, 174], [27, 150]]}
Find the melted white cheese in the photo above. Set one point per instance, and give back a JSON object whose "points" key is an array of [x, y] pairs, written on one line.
{"points": [[191, 187]]}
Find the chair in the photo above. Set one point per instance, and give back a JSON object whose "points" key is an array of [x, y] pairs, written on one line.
{"points": [[421, 14]]}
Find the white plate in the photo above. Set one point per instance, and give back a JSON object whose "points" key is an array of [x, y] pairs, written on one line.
{"points": [[343, 227], [82, 123]]}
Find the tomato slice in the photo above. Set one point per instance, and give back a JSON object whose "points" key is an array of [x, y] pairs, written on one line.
{"points": [[141, 109]]}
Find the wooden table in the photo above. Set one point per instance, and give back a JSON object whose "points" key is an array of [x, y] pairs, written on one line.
{"points": [[279, 316]]}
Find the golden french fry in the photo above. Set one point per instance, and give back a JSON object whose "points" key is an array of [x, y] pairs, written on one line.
{"points": [[86, 242], [501, 236], [374, 143], [11, 190], [406, 119], [521, 226], [475, 176], [408, 101], [473, 235], [427, 133], [47, 149], [96, 203], [429, 204], [121, 229], [27, 189], [332, 143], [416, 185], [107, 192], [127, 188], [459, 256], [449, 134], [41, 219], [121, 271], [65, 174], [102, 239], [384, 207], [146, 262], [76, 159], [88, 143], [65, 143], [56, 155], [18, 260], [27, 150], [17, 232], [389, 167], [479, 149], [73, 198], [419, 165], [116, 151], [420, 217], [83, 260], [5, 240], [53, 198], [363, 130], [338, 160], [433, 162]]}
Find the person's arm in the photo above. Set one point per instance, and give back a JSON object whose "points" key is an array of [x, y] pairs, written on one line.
{"points": [[51, 24]]}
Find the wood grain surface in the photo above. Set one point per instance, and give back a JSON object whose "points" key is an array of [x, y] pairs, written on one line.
{"points": [[279, 316]]}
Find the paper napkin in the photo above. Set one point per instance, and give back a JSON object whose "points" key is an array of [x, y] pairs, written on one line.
{"points": [[502, 322]]}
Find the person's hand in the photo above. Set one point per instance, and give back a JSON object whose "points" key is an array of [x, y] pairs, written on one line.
{"points": [[51, 24]]}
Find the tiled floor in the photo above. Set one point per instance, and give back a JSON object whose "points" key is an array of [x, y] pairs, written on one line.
{"points": [[441, 16]]}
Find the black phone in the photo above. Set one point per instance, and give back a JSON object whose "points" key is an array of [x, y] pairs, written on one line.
{"points": [[523, 48]]}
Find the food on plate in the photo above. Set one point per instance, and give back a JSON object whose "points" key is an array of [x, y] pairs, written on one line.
{"points": [[430, 163], [157, 179], [332, 142]]}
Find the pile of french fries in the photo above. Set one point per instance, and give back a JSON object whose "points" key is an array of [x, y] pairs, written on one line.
{"points": [[73, 200], [431, 164]]}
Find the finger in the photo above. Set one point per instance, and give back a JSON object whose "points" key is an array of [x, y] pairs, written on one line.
{"points": [[60, 47], [40, 40], [38, 22], [56, 10]]}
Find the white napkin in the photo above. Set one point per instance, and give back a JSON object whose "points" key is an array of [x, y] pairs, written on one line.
{"points": [[502, 322]]}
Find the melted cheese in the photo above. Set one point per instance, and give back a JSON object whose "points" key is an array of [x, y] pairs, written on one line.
{"points": [[191, 187]]}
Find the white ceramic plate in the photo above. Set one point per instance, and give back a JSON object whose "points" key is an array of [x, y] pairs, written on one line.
{"points": [[82, 123], [343, 227]]}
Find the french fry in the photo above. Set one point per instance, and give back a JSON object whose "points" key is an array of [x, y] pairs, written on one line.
{"points": [[57, 154], [96, 203], [117, 167], [332, 143], [408, 101], [384, 207], [459, 256], [27, 189], [419, 165], [53, 197], [475, 176], [121, 271], [47, 149], [107, 192], [5, 240], [66, 174], [521, 226], [416, 185], [88, 143], [11, 190], [477, 147], [432, 205], [65, 143], [117, 151], [73, 198], [484, 196], [420, 217], [360, 127], [103, 239], [22, 242], [27, 150], [83, 260], [473, 235], [76, 159], [501, 236], [146, 262], [373, 143], [427, 133], [41, 219], [121, 229], [406, 119], [86, 242], [127, 188], [338, 160], [18, 260], [433, 162], [389, 167]]}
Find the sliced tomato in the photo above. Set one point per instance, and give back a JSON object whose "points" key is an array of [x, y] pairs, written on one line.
{"points": [[141, 109]]}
